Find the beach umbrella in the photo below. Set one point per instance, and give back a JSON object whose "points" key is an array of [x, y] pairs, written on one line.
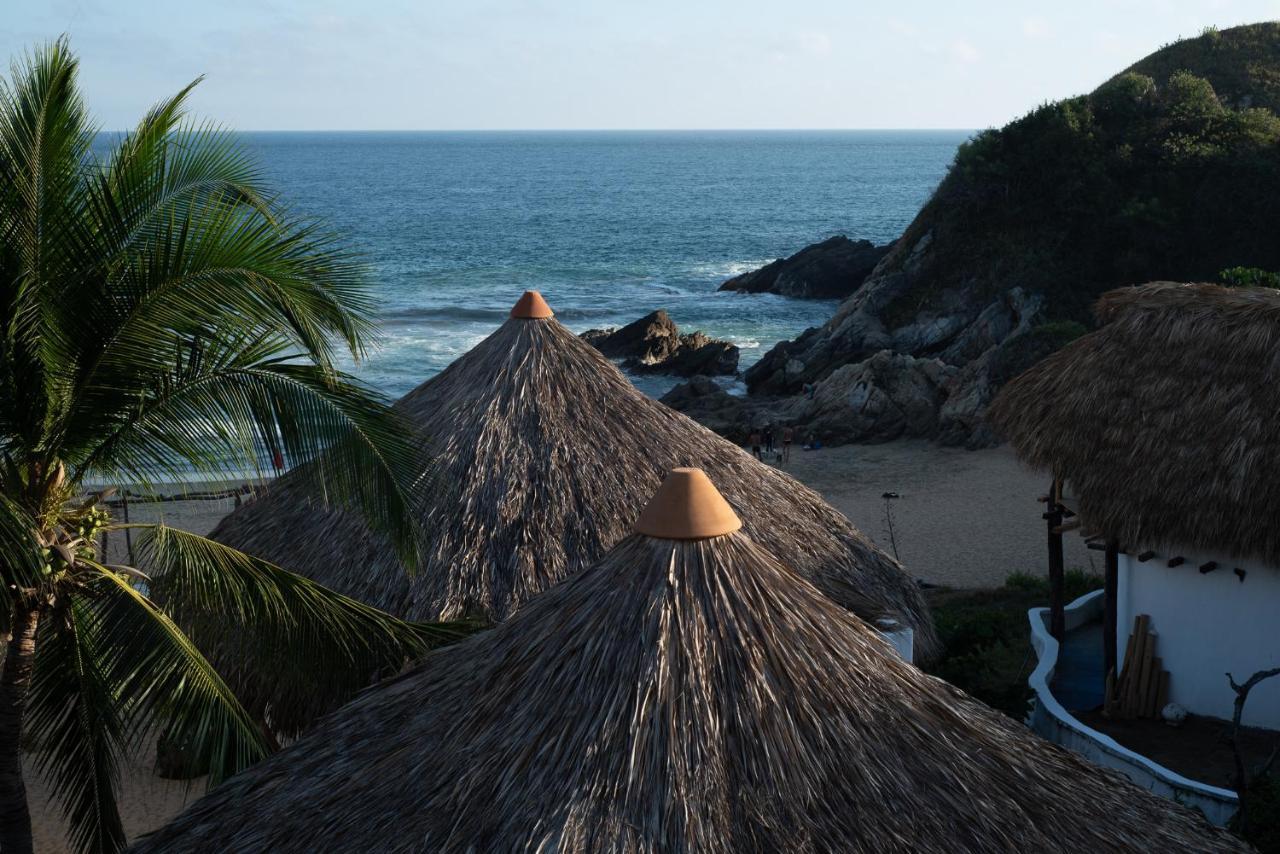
{"points": [[687, 692], [543, 454]]}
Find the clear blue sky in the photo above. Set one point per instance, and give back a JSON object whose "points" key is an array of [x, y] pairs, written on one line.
{"points": [[399, 64]]}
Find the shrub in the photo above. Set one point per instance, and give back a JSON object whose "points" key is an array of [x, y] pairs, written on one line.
{"points": [[1191, 99], [1125, 94], [1262, 805], [1249, 277], [986, 637]]}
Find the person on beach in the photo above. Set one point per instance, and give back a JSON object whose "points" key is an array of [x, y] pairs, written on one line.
{"points": [[754, 441], [788, 435], [768, 439]]}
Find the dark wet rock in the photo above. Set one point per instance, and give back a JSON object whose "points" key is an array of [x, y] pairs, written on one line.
{"points": [[711, 406], [654, 344], [832, 269]]}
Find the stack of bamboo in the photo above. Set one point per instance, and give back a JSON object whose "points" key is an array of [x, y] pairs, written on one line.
{"points": [[1142, 688]]}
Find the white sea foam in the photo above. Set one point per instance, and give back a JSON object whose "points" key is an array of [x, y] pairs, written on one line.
{"points": [[727, 269]]}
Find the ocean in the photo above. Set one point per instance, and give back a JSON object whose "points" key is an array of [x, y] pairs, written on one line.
{"points": [[608, 225]]}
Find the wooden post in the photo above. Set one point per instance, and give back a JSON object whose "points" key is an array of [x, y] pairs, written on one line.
{"points": [[1057, 605], [1112, 579], [128, 532]]}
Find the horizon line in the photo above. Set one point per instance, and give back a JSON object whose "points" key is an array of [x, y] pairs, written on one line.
{"points": [[597, 130]]}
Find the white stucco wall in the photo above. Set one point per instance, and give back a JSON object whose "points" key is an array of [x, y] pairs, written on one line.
{"points": [[1207, 625], [901, 638]]}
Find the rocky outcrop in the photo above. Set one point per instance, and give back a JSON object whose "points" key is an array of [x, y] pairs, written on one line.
{"points": [[832, 269], [1151, 176], [711, 406], [887, 396], [698, 354], [854, 332], [874, 373], [654, 344], [652, 338]]}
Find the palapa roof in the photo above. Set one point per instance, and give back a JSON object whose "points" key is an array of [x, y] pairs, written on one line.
{"points": [[544, 454], [679, 695], [1163, 422]]}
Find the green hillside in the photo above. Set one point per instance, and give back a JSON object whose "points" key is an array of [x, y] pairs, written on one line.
{"points": [[1242, 64], [1170, 170]]}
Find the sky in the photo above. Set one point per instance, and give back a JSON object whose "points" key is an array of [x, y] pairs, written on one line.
{"points": [[578, 64]]}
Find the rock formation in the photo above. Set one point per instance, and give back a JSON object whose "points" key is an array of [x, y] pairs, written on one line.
{"points": [[711, 406], [654, 344], [931, 374], [1170, 170], [832, 269]]}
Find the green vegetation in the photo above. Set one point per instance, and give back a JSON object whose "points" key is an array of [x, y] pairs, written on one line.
{"points": [[1249, 277], [1170, 170], [1262, 806], [162, 317], [1025, 350], [986, 636], [1242, 63]]}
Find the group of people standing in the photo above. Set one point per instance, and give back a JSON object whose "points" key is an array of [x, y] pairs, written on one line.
{"points": [[762, 443]]}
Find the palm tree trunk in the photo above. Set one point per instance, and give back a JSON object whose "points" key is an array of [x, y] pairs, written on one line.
{"points": [[15, 818]]}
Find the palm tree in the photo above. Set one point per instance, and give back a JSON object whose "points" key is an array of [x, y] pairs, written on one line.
{"points": [[164, 318]]}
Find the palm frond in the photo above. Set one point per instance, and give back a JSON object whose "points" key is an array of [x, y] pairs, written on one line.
{"points": [[22, 566], [175, 198], [211, 244], [291, 648], [240, 406], [161, 682], [74, 718], [44, 141], [233, 277]]}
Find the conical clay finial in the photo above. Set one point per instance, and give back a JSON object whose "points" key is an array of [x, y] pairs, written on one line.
{"points": [[531, 306], [687, 507]]}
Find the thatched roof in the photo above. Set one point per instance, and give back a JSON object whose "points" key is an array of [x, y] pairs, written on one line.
{"points": [[544, 454], [680, 695], [1163, 422]]}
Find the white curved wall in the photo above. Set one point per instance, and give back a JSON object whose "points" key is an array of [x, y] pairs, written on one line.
{"points": [[1207, 625], [1049, 719]]}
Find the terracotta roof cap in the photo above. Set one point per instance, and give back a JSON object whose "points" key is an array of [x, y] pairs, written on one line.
{"points": [[687, 507], [531, 306]]}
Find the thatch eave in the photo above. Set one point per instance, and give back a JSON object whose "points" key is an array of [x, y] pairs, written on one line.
{"points": [[679, 695], [1162, 422], [544, 455]]}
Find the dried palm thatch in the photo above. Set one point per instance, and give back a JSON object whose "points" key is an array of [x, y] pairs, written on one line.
{"points": [[680, 695], [1163, 422], [544, 453]]}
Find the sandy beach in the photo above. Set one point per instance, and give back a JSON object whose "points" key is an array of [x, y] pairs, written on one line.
{"points": [[962, 519]]}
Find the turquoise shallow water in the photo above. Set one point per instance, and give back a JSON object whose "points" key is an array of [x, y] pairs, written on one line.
{"points": [[608, 225]]}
